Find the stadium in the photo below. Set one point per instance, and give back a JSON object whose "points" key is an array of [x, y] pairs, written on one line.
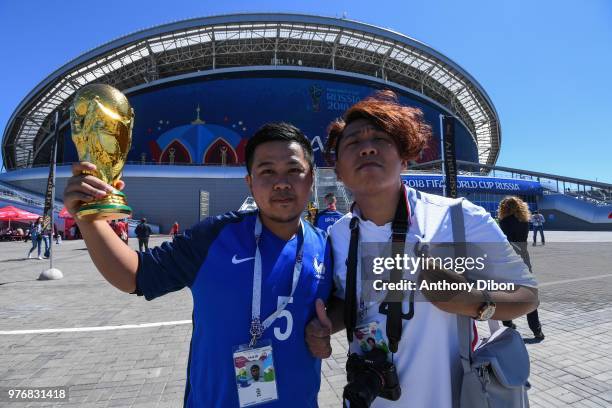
{"points": [[201, 87]]}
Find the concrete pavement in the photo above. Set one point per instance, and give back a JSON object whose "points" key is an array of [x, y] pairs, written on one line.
{"points": [[145, 366]]}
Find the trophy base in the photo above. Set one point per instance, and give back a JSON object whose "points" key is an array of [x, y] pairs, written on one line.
{"points": [[112, 207]]}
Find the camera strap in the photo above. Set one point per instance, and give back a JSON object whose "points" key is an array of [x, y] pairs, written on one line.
{"points": [[393, 309]]}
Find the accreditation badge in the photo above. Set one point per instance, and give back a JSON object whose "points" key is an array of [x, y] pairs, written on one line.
{"points": [[255, 374], [370, 342]]}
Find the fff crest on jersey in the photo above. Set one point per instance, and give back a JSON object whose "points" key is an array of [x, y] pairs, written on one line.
{"points": [[319, 268]]}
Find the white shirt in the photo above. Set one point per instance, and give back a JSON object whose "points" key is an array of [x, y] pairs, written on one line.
{"points": [[537, 220], [427, 360]]}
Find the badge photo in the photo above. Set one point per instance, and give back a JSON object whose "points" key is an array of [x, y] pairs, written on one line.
{"points": [[369, 339], [255, 375]]}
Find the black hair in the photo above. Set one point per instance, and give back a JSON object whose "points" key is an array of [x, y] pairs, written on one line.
{"points": [[271, 132]]}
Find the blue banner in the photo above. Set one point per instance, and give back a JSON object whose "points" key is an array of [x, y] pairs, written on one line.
{"points": [[434, 183]]}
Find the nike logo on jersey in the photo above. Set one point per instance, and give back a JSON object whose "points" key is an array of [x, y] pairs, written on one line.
{"points": [[237, 261]]}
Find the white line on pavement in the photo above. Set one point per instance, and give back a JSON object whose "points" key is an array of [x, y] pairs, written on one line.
{"points": [[179, 322], [97, 328]]}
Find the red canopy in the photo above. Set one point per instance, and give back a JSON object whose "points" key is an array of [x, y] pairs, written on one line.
{"points": [[9, 213]]}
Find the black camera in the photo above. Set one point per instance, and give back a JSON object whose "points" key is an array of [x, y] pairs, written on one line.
{"points": [[370, 376]]}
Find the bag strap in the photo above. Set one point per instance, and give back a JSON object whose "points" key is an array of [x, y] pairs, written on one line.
{"points": [[464, 323], [350, 296]]}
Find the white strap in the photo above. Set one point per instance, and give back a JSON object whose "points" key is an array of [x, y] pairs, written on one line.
{"points": [[257, 326], [464, 323]]}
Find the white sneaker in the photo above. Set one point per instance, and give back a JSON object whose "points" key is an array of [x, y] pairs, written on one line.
{"points": [[40, 257], [29, 256]]}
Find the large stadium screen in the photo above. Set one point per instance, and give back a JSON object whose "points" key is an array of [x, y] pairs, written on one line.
{"points": [[208, 121]]}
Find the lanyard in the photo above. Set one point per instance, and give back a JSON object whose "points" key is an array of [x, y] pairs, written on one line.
{"points": [[257, 326]]}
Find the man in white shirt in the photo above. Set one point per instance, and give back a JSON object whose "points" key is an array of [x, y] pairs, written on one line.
{"points": [[371, 146]]}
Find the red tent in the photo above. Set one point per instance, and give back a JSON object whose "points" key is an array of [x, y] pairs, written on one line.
{"points": [[64, 213], [9, 213], [68, 222]]}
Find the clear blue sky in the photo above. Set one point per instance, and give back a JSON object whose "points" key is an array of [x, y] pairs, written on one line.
{"points": [[546, 64]]}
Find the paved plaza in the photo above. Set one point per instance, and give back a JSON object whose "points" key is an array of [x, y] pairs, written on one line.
{"points": [[106, 363]]}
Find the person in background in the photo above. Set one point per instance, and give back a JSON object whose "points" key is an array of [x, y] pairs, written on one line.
{"points": [[120, 229], [47, 239], [514, 219], [57, 235], [311, 213], [174, 230], [123, 230], [36, 235], [330, 215], [143, 232], [537, 220]]}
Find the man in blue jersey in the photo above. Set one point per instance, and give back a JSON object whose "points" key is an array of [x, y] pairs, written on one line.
{"points": [[254, 277], [330, 215]]}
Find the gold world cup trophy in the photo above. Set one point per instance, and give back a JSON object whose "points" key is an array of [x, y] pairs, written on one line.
{"points": [[102, 120]]}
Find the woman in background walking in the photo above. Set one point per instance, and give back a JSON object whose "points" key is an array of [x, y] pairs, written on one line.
{"points": [[514, 219]]}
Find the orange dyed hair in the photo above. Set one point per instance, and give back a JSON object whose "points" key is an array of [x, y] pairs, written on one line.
{"points": [[404, 124]]}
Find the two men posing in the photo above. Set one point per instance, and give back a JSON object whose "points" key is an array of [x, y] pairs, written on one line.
{"points": [[259, 278]]}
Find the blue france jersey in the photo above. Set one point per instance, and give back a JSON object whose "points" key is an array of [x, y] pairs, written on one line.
{"points": [[327, 218], [215, 259]]}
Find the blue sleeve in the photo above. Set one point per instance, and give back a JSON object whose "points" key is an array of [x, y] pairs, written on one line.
{"points": [[317, 220], [320, 220], [174, 265]]}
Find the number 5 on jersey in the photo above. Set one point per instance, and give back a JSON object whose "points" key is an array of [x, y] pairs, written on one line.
{"points": [[284, 335]]}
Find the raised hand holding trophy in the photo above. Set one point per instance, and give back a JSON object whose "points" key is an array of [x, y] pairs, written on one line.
{"points": [[102, 120]]}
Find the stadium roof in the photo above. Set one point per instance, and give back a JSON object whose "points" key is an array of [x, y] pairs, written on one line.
{"points": [[254, 40]]}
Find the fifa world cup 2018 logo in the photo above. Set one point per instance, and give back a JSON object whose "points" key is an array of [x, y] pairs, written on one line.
{"points": [[315, 95], [102, 119]]}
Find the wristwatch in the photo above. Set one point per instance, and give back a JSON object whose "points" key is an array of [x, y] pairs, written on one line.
{"points": [[487, 309]]}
